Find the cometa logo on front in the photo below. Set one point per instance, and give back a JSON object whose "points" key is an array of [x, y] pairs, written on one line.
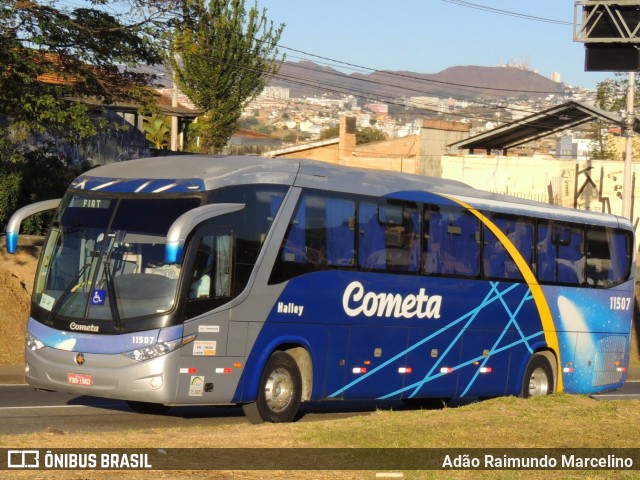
{"points": [[84, 328], [357, 301]]}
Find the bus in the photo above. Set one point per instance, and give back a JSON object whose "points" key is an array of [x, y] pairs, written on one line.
{"points": [[215, 280]]}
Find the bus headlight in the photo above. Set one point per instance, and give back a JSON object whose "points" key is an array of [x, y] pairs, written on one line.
{"points": [[33, 343], [159, 349]]}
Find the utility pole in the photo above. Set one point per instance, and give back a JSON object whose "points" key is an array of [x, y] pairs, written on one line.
{"points": [[627, 189], [611, 34], [174, 117]]}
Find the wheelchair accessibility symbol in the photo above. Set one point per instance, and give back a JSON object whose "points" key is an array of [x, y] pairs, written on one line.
{"points": [[98, 297]]}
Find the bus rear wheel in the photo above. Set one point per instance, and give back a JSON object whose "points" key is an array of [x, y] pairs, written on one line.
{"points": [[538, 377], [279, 392]]}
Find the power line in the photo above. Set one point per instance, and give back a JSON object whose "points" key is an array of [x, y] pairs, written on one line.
{"points": [[413, 77], [508, 13], [343, 89]]}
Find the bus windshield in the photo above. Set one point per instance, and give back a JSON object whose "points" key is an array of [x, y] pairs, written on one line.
{"points": [[104, 258]]}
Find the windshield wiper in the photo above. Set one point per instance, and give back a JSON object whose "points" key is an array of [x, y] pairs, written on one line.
{"points": [[111, 294], [63, 297]]}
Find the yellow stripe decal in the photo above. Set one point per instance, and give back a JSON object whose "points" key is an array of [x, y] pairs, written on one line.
{"points": [[550, 334]]}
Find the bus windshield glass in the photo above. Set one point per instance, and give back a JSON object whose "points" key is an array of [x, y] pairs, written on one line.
{"points": [[104, 258]]}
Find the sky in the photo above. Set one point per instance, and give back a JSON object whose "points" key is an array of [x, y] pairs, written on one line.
{"points": [[428, 36]]}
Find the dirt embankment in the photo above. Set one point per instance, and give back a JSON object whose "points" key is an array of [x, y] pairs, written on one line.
{"points": [[16, 282]]}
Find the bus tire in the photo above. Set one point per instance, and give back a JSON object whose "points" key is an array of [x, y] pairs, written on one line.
{"points": [[279, 391], [538, 377], [148, 407]]}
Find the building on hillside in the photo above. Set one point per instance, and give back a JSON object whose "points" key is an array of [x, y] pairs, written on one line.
{"points": [[279, 93], [378, 108], [439, 150], [412, 153], [245, 142], [571, 148]]}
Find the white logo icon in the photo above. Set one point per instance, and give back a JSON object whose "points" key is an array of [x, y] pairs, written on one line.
{"points": [[23, 459]]}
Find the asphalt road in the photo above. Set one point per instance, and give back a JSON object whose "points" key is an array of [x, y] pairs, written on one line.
{"points": [[25, 410]]}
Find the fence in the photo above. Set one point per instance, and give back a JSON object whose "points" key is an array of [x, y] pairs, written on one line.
{"points": [[536, 197]]}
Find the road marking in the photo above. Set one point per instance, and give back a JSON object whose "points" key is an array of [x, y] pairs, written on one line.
{"points": [[610, 395], [105, 405]]}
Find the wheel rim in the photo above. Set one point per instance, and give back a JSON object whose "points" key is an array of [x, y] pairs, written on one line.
{"points": [[538, 382], [278, 390]]}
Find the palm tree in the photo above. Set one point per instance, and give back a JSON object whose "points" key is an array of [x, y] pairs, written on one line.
{"points": [[157, 130]]}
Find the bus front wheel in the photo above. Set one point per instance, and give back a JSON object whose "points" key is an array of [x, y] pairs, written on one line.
{"points": [[279, 392], [538, 377]]}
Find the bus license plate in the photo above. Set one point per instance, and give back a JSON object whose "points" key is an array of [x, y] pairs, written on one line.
{"points": [[80, 379]]}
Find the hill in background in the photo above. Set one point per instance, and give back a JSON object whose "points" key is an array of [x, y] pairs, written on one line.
{"points": [[307, 79]]}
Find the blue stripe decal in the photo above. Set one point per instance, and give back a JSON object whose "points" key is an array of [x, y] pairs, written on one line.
{"points": [[465, 364], [492, 296], [138, 185]]}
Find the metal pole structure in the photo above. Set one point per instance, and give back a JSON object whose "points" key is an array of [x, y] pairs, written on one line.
{"points": [[627, 189], [174, 118]]}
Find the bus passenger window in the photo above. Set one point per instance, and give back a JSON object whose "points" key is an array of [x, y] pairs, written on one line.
{"points": [[546, 266], [452, 247], [372, 253], [561, 257], [607, 261], [321, 235], [389, 237], [435, 239], [571, 258], [498, 262], [340, 232]]}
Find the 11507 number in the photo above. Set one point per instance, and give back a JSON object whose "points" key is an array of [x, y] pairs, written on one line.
{"points": [[619, 303]]}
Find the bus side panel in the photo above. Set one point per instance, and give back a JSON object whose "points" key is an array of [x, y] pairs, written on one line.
{"points": [[432, 359], [391, 336], [376, 362], [486, 361], [334, 374], [475, 340], [210, 366], [594, 327]]}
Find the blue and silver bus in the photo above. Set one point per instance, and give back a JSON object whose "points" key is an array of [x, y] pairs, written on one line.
{"points": [[202, 280]]}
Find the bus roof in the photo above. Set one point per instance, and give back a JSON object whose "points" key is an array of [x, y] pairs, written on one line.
{"points": [[184, 173]]}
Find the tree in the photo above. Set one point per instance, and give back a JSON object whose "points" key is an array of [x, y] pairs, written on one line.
{"points": [[368, 135], [331, 132], [51, 58], [363, 135], [222, 55], [611, 95], [158, 130]]}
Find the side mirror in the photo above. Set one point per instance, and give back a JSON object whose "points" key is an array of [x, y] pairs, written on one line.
{"points": [[13, 227], [185, 223]]}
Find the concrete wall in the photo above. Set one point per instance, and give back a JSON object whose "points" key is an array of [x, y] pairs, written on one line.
{"points": [[597, 185], [538, 177], [326, 153], [435, 136]]}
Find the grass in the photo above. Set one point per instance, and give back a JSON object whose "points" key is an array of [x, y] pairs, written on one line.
{"points": [[556, 421]]}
